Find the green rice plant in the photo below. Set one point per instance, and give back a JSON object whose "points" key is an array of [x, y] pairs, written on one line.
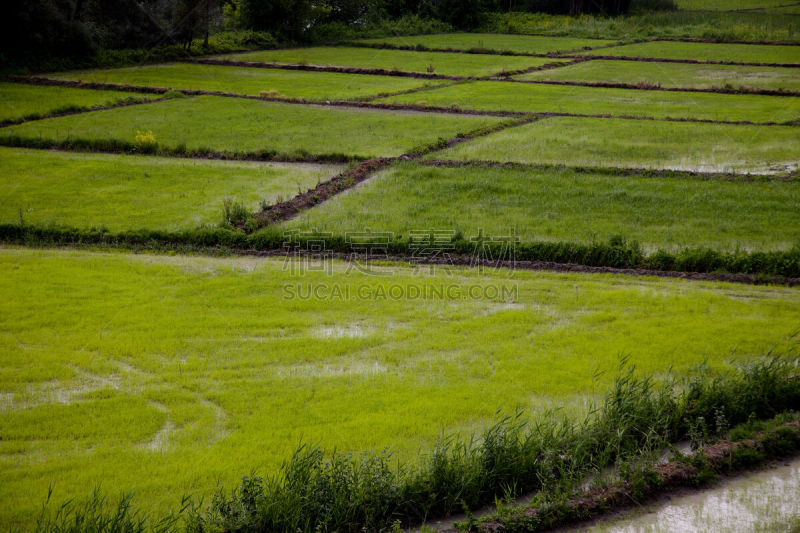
{"points": [[404, 60], [18, 100], [619, 143], [354, 493], [539, 98], [96, 515], [249, 81], [669, 213], [192, 343], [735, 53], [251, 127], [123, 192], [675, 75]]}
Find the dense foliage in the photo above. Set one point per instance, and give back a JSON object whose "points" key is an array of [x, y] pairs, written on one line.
{"points": [[76, 28]]}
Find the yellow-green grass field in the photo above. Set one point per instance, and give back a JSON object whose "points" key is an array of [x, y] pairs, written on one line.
{"points": [[405, 60], [250, 81], [539, 98], [739, 53], [19, 100], [619, 143], [677, 75], [129, 193], [561, 205], [178, 374], [493, 41], [241, 125]]}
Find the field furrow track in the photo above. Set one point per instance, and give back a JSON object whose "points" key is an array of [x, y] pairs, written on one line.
{"points": [[546, 266]]}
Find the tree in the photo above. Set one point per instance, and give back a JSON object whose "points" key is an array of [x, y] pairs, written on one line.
{"points": [[286, 19]]}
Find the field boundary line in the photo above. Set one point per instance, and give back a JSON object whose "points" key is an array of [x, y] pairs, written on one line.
{"points": [[549, 266], [656, 87], [688, 61], [115, 146], [506, 74], [160, 241], [622, 172], [32, 118]]}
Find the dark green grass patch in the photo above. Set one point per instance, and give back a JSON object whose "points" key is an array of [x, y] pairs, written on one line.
{"points": [[621, 143], [240, 125], [490, 42], [18, 101], [723, 26], [729, 5], [738, 53], [723, 77], [250, 81], [496, 95], [408, 61], [124, 192], [562, 205]]}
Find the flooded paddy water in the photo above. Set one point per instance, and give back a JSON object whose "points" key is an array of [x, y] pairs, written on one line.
{"points": [[766, 500]]}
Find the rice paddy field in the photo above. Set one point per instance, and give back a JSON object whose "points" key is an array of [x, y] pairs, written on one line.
{"points": [[673, 75], [162, 331]]}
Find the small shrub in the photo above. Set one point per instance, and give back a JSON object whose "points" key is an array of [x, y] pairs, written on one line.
{"points": [[174, 94], [146, 140], [234, 213]]}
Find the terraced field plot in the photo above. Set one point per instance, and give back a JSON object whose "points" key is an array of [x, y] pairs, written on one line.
{"points": [[736, 53], [240, 125], [18, 100], [250, 81], [540, 98], [404, 60], [619, 143], [561, 205], [528, 44], [129, 193], [115, 364], [673, 75]]}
